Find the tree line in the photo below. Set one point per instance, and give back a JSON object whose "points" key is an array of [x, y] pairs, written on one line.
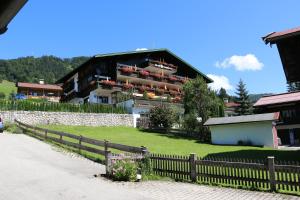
{"points": [[32, 69]]}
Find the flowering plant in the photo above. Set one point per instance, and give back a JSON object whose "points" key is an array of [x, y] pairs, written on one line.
{"points": [[128, 86], [127, 69], [173, 78], [144, 73], [108, 82], [123, 170], [143, 88], [158, 76]]}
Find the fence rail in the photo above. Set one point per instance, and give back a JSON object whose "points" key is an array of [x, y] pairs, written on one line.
{"points": [[264, 175], [259, 174], [78, 141]]}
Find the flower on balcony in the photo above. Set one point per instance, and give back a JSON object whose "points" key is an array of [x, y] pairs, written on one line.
{"points": [[144, 73], [173, 78], [108, 82], [156, 75], [143, 88], [128, 70], [128, 86]]}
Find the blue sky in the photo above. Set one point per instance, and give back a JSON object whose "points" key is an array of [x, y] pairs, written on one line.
{"points": [[203, 33]]}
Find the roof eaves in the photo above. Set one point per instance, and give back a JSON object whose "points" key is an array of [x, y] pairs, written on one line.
{"points": [[73, 71], [128, 52], [137, 52], [191, 66]]}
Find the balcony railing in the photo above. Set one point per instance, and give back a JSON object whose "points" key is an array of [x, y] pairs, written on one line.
{"points": [[161, 65], [141, 73], [150, 103]]}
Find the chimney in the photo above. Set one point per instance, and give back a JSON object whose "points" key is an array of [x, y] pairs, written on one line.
{"points": [[42, 81]]}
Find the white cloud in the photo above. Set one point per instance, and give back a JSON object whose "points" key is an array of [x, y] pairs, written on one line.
{"points": [[241, 63], [141, 49], [219, 81]]}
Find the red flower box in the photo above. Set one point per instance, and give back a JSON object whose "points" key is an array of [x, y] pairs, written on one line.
{"points": [[143, 88], [173, 78], [144, 73], [127, 70], [128, 86], [158, 76], [108, 82]]}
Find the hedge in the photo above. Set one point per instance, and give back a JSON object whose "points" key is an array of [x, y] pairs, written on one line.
{"points": [[25, 105]]}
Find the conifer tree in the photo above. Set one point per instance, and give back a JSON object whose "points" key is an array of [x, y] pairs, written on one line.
{"points": [[242, 99]]}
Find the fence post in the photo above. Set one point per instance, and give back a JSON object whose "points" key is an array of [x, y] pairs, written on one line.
{"points": [[46, 132], [271, 168], [79, 147], [105, 146], [145, 151], [193, 174], [108, 156]]}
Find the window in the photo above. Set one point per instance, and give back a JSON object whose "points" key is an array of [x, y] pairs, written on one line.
{"points": [[102, 99]]}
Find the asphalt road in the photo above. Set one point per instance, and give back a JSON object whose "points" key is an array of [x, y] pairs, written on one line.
{"points": [[33, 170]]}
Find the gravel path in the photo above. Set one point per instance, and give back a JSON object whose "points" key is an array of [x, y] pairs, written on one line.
{"points": [[33, 170]]}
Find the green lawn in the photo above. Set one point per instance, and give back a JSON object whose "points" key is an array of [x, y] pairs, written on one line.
{"points": [[168, 144], [7, 87]]}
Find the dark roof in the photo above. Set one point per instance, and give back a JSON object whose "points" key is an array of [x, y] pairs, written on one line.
{"points": [[276, 99], [242, 119], [8, 10], [122, 54], [39, 86], [275, 36]]}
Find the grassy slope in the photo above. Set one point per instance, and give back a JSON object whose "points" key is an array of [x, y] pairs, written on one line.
{"points": [[7, 87], [160, 143]]}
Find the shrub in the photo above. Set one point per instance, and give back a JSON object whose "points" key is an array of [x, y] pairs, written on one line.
{"points": [[27, 105], [190, 122], [162, 116], [124, 170]]}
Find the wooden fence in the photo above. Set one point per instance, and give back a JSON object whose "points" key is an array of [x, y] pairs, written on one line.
{"points": [[86, 144], [268, 174], [258, 174]]}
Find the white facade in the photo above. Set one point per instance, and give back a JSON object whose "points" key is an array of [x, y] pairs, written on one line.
{"points": [[258, 133], [135, 111]]}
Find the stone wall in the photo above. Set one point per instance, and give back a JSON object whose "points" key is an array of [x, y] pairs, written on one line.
{"points": [[68, 118]]}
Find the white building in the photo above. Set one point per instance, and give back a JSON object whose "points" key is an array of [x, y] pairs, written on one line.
{"points": [[258, 130]]}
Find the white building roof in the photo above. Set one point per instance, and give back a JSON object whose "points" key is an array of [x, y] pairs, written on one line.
{"points": [[242, 119]]}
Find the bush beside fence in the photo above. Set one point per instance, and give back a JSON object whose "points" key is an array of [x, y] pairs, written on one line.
{"points": [[7, 105]]}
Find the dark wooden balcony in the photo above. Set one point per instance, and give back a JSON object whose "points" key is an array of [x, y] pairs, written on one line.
{"points": [[136, 76]]}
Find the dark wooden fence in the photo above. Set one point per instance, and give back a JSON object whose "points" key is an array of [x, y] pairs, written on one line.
{"points": [[252, 174], [86, 144], [258, 174]]}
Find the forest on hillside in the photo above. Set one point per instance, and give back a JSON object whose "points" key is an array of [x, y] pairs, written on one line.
{"points": [[32, 69]]}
